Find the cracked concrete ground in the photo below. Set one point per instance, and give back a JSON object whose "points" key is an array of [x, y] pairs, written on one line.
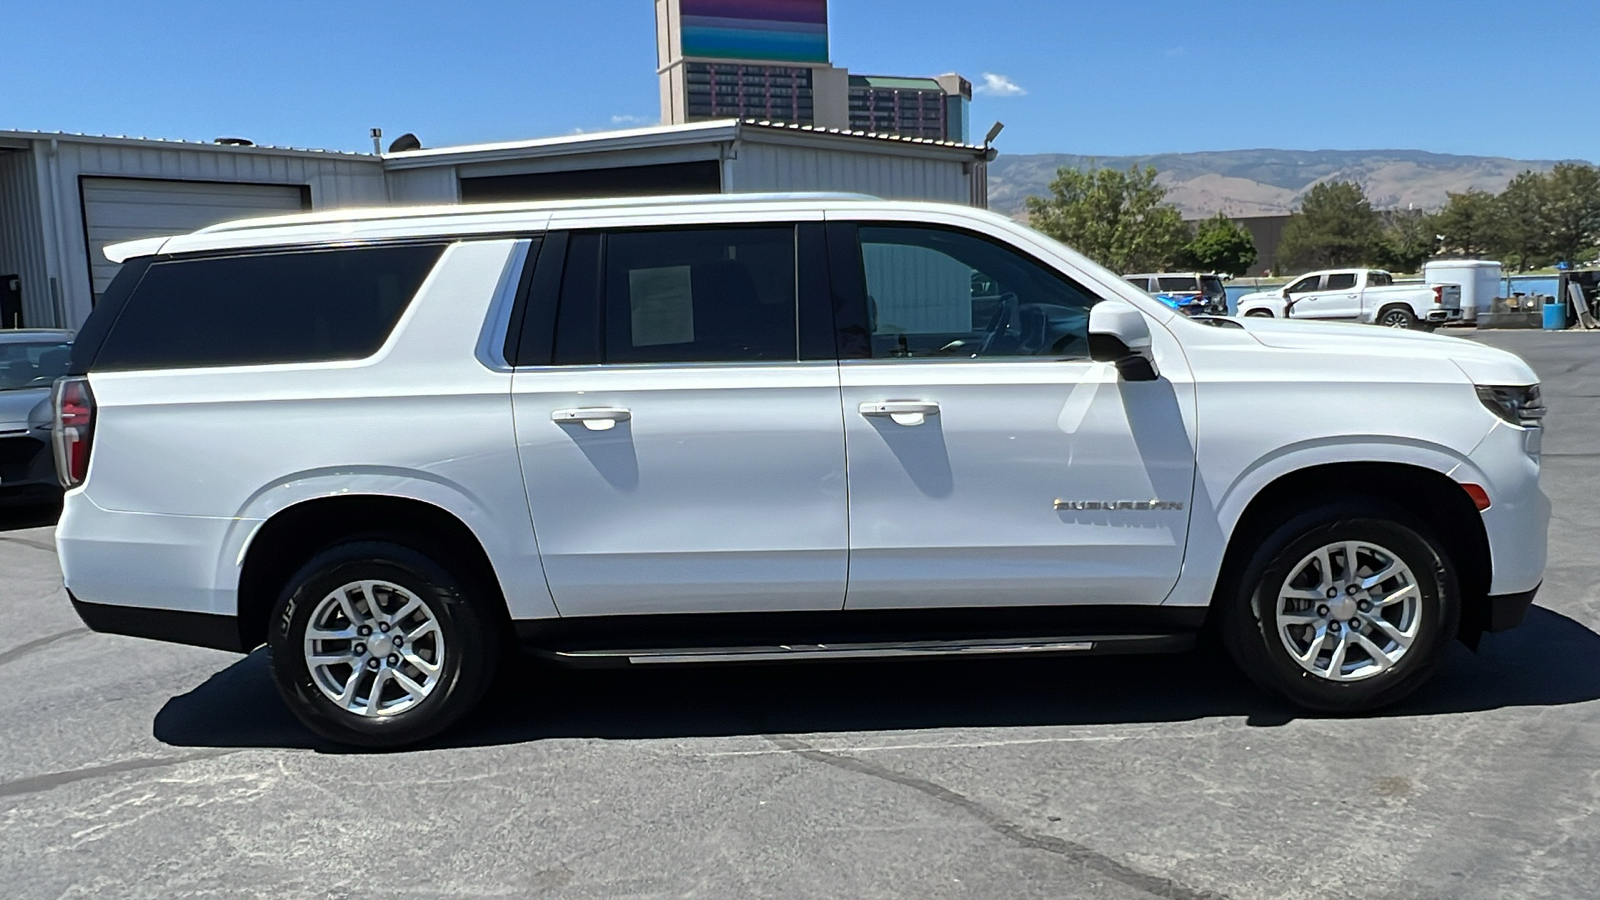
{"points": [[136, 769]]}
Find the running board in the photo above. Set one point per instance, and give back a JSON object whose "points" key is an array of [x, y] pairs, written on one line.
{"points": [[1097, 644]]}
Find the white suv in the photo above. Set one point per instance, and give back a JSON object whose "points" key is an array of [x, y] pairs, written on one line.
{"points": [[394, 444]]}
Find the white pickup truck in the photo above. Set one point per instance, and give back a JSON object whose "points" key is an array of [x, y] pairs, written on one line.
{"points": [[1369, 296]]}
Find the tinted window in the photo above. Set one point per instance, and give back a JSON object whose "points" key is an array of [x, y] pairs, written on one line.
{"points": [[1379, 279], [1142, 284], [303, 306], [700, 296], [1304, 285], [31, 365], [1341, 281], [1180, 284], [937, 293], [1213, 286]]}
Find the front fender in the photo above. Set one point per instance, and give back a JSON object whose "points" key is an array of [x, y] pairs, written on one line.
{"points": [[1221, 499]]}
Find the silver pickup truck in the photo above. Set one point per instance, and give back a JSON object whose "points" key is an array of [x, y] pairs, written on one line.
{"points": [[1369, 296]]}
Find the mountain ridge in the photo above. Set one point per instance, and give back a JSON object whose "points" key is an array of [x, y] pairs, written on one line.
{"points": [[1265, 181]]}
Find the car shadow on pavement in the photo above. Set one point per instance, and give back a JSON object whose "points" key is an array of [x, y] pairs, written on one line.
{"points": [[1550, 660]]}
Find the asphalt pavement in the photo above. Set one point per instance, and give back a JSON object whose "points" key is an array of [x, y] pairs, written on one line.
{"points": [[135, 769]]}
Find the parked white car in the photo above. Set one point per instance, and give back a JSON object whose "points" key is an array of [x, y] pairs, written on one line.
{"points": [[390, 444], [1369, 296]]}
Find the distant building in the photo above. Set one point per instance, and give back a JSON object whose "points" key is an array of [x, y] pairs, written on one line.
{"points": [[768, 59], [1266, 232]]}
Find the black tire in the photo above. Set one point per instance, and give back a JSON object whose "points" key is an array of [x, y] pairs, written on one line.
{"points": [[1259, 314], [1248, 597], [471, 655], [1397, 317]]}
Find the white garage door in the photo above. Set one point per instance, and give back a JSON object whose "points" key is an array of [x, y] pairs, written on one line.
{"points": [[124, 209]]}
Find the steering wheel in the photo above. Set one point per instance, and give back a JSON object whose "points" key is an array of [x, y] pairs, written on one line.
{"points": [[1003, 312]]}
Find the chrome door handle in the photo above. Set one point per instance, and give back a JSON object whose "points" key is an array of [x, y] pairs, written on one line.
{"points": [[902, 412], [594, 418]]}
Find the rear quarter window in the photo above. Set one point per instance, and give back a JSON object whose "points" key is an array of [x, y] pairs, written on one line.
{"points": [[300, 306]]}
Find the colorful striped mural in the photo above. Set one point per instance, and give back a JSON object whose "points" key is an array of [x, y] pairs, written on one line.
{"points": [[793, 31]]}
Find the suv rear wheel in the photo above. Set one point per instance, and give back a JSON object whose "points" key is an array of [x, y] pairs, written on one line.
{"points": [[378, 645], [1345, 608]]}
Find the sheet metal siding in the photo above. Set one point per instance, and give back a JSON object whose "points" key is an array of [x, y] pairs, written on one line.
{"points": [[22, 236], [775, 167], [334, 182]]}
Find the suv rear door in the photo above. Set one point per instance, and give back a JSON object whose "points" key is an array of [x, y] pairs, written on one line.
{"points": [[1338, 297], [991, 462], [679, 456]]}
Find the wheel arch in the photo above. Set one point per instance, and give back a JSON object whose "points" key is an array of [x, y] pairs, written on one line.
{"points": [[1430, 495], [291, 536]]}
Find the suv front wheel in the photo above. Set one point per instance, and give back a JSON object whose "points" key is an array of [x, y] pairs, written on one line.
{"points": [[1344, 608], [376, 644]]}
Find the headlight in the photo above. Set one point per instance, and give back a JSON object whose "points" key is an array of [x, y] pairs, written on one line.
{"points": [[1518, 404]]}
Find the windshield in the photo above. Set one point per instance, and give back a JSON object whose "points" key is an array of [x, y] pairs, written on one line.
{"points": [[1175, 283], [32, 365]]}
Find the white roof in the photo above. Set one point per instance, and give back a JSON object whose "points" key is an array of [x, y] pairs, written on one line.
{"points": [[716, 131], [460, 220]]}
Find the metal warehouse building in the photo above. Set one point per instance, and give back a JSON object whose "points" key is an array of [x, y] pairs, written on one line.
{"points": [[64, 197]]}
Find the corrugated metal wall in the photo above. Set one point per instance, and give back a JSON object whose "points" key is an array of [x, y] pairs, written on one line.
{"points": [[779, 167], [334, 180], [21, 238]]}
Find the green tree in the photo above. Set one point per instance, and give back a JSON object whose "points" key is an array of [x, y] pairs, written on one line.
{"points": [[1410, 236], [1570, 214], [1519, 237], [1221, 245], [1335, 227], [1470, 223], [1119, 219]]}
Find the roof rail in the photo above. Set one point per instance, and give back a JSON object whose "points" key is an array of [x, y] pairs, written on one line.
{"points": [[470, 209]]}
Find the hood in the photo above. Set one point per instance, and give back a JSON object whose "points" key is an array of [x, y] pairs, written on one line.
{"points": [[18, 407], [1259, 295], [1481, 364]]}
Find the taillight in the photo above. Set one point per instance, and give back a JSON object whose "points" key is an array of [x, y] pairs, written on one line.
{"points": [[72, 431], [1438, 295]]}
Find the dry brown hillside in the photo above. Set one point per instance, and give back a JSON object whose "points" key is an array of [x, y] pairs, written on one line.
{"points": [[1271, 182]]}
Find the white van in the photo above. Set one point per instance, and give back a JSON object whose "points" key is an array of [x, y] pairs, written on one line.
{"points": [[394, 444]]}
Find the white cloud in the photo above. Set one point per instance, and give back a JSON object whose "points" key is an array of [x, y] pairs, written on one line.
{"points": [[999, 86], [632, 120]]}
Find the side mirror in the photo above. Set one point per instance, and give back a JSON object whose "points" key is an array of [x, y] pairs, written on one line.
{"points": [[1119, 334]]}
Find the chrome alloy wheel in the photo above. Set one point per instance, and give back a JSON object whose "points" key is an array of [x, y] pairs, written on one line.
{"points": [[1395, 318], [374, 648], [1349, 611]]}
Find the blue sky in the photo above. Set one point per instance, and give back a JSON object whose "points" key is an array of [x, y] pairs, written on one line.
{"points": [[1105, 78]]}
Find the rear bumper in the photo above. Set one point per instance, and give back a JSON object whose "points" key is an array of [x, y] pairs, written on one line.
{"points": [[1506, 611], [170, 625], [1444, 315]]}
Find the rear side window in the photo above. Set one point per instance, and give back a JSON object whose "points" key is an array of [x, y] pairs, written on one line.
{"points": [[718, 295], [1341, 281], [302, 306], [1379, 279], [1187, 284]]}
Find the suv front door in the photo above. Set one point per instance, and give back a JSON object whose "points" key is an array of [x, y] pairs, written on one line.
{"points": [[991, 462], [678, 456]]}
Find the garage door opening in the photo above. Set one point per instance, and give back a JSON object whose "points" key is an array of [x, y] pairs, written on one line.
{"points": [[126, 209], [702, 177]]}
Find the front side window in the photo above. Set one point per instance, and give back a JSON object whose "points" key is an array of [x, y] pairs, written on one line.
{"points": [[298, 306], [1212, 286], [712, 295], [1305, 285], [1342, 281], [934, 293]]}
